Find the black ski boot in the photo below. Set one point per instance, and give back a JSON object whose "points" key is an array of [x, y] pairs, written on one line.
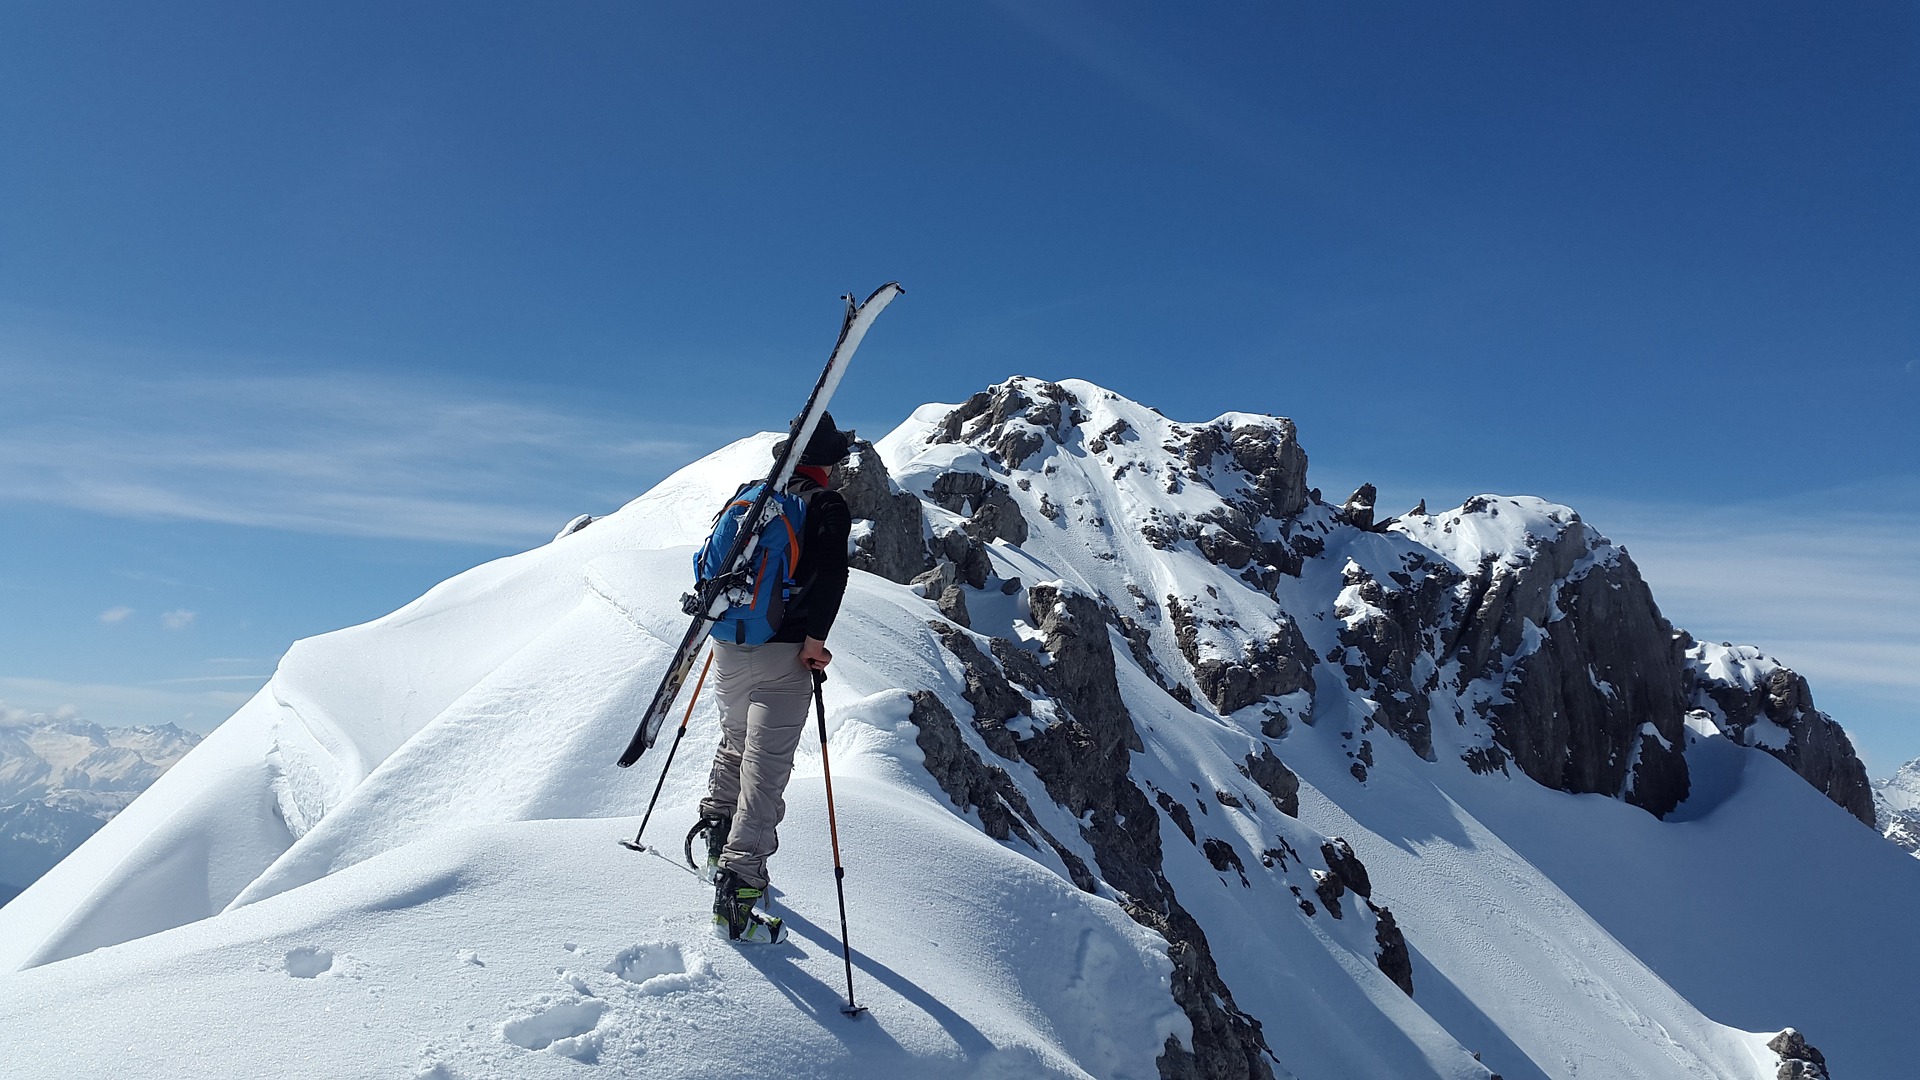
{"points": [[716, 830], [733, 903]]}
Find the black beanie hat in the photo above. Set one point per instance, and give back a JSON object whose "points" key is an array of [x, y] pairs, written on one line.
{"points": [[829, 445]]}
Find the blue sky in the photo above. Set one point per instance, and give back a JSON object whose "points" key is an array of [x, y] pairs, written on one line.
{"points": [[303, 309]]}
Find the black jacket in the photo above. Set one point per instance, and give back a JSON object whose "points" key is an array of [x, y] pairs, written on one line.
{"points": [[821, 572]]}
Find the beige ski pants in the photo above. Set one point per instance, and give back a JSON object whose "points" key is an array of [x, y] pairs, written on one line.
{"points": [[764, 694]]}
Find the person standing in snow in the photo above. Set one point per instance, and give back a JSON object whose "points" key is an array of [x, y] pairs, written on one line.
{"points": [[764, 693]]}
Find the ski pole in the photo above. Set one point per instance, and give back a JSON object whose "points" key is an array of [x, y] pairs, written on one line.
{"points": [[833, 830], [635, 843]]}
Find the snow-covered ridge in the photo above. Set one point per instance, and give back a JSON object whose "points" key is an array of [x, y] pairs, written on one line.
{"points": [[1150, 762]]}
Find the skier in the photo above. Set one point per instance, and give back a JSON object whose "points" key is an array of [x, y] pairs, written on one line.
{"points": [[764, 693]]}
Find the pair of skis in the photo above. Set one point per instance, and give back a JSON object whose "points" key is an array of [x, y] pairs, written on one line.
{"points": [[711, 599]]}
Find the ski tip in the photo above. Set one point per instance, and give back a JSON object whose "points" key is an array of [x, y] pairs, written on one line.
{"points": [[894, 285]]}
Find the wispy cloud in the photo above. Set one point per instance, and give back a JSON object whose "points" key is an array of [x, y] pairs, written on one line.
{"points": [[1827, 585], [332, 453], [116, 705], [177, 620], [115, 615]]}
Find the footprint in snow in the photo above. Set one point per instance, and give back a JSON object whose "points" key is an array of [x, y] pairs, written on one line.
{"points": [[307, 962], [660, 967], [565, 1028]]}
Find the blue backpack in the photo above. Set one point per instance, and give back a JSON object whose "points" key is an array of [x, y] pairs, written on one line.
{"points": [[770, 566]]}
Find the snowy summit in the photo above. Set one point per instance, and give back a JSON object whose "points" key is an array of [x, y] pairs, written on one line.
{"points": [[1149, 761]]}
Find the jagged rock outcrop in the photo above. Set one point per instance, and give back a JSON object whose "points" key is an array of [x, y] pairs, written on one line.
{"points": [[1279, 664], [972, 784], [1529, 635], [1761, 703], [993, 698], [1393, 959], [965, 555], [892, 544], [1386, 630], [1260, 473], [985, 502], [1017, 418], [1083, 759], [1268, 453], [1357, 511], [1274, 778], [1590, 683], [1798, 1060]]}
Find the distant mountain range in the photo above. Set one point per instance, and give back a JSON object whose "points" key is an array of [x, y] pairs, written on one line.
{"points": [[61, 779], [1896, 805]]}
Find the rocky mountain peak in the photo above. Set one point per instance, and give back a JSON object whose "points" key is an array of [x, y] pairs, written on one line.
{"points": [[1896, 807], [1508, 623]]}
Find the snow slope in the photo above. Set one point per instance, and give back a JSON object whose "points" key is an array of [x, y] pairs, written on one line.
{"points": [[399, 858]]}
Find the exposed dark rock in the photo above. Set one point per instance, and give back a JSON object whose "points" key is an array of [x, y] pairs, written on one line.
{"points": [[1393, 959], [1227, 1043], [968, 556], [1485, 759], [1357, 511], [964, 416], [894, 547], [1159, 530], [1817, 748], [994, 700], [1279, 665], [1084, 760], [1330, 888], [1112, 433], [1082, 675], [1271, 485], [1013, 420], [953, 604], [1140, 644], [975, 785], [1798, 1060], [1274, 778], [1390, 627], [990, 510], [1221, 854], [937, 580], [1268, 453], [1177, 810], [1342, 862], [1606, 664]]}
